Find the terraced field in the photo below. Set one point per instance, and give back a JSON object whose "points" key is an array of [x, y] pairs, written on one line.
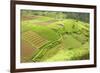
{"points": [[45, 39]]}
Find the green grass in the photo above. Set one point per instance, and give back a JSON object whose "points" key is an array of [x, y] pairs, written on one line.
{"points": [[45, 32], [27, 24], [73, 54]]}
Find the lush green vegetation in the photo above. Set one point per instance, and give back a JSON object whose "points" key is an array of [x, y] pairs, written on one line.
{"points": [[55, 36]]}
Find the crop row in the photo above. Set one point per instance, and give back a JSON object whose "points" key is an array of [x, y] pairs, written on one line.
{"points": [[34, 39], [42, 50]]}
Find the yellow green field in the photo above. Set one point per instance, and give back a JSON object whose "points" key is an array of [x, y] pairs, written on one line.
{"points": [[48, 38]]}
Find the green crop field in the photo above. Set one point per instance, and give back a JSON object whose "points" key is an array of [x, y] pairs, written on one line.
{"points": [[54, 36]]}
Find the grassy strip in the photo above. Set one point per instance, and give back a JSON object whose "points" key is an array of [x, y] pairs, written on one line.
{"points": [[44, 48]]}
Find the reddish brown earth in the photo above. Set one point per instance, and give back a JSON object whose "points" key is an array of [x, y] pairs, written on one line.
{"points": [[29, 17], [26, 51]]}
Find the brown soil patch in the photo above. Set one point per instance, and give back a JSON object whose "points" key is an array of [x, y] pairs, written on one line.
{"points": [[26, 51], [29, 17]]}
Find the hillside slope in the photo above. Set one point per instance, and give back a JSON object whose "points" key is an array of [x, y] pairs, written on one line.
{"points": [[63, 40]]}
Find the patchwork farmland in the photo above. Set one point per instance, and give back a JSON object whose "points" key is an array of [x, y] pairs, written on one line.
{"points": [[46, 38]]}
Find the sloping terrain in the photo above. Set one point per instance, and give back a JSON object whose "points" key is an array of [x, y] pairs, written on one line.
{"points": [[48, 39]]}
